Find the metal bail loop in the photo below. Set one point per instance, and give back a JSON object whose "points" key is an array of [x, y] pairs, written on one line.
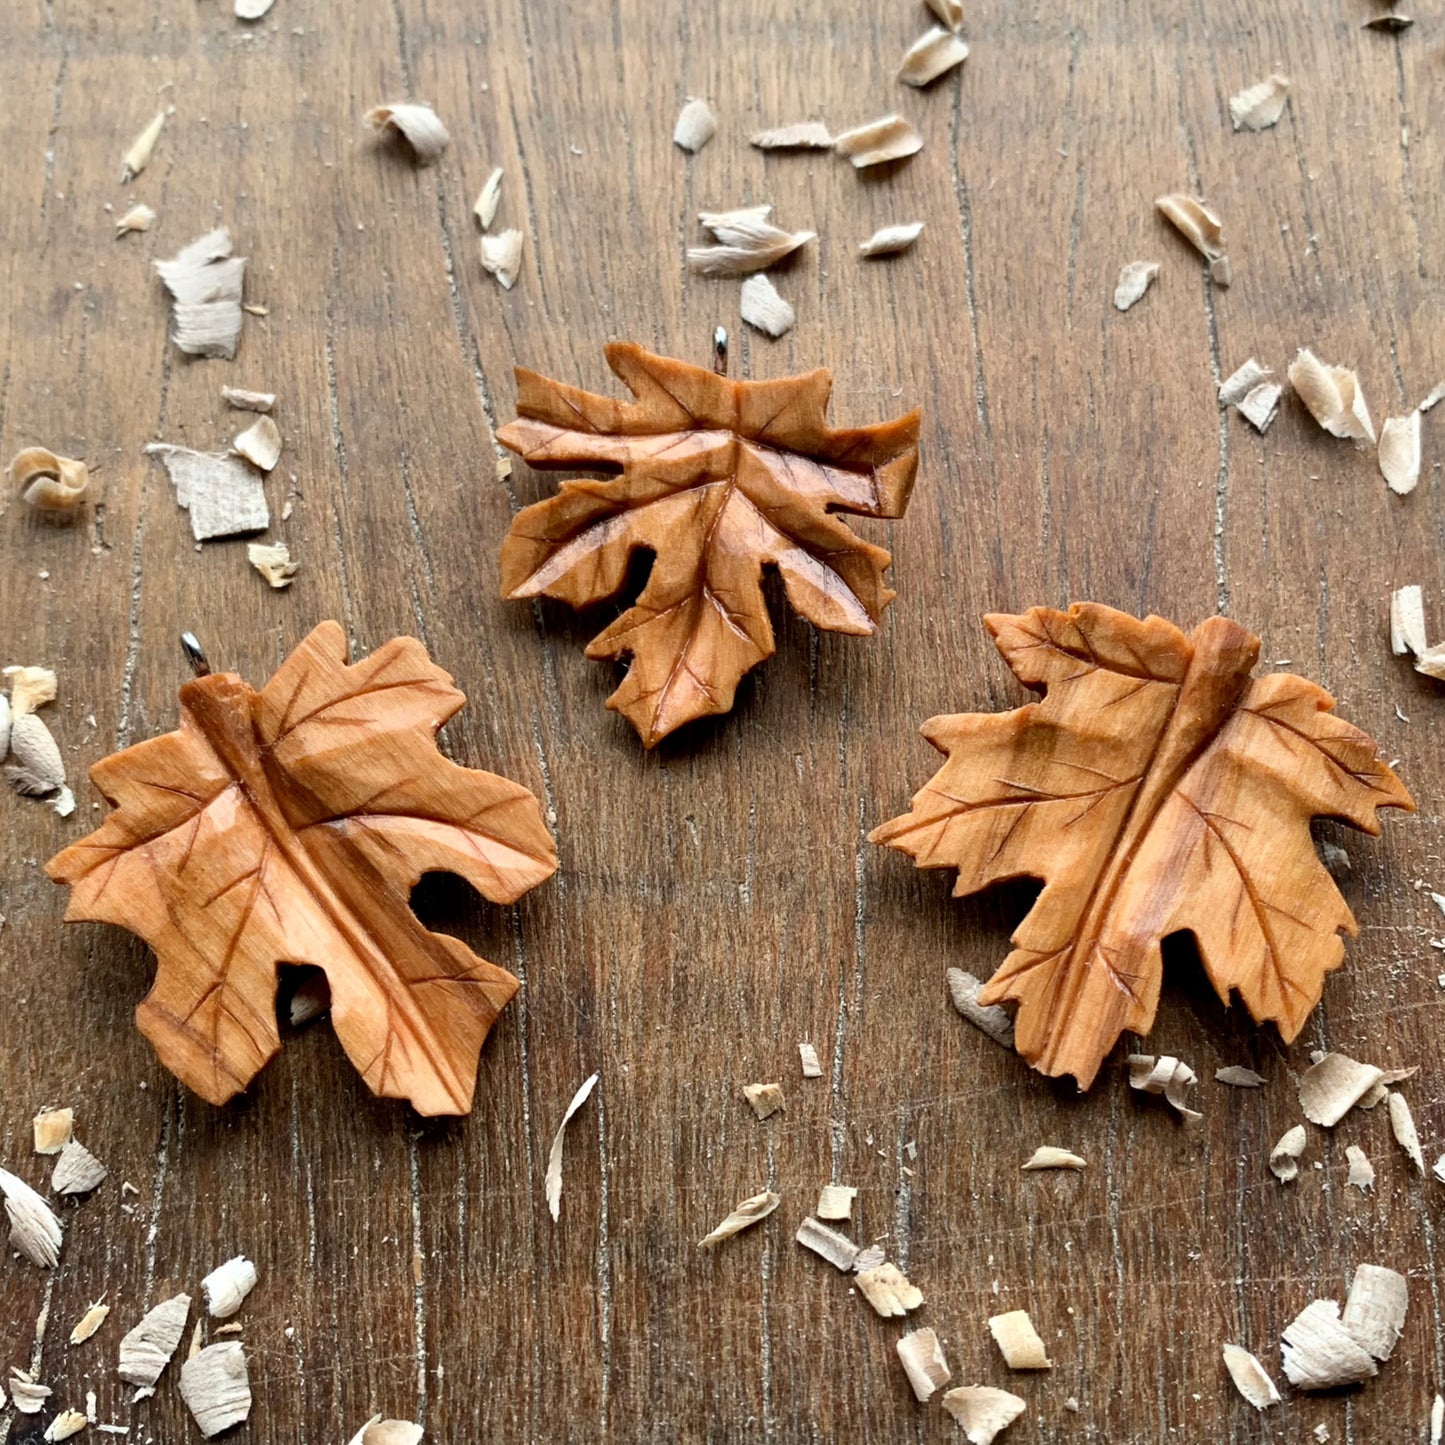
{"points": [[720, 351], [194, 655]]}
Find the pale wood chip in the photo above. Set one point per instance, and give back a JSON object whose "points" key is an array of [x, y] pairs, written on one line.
{"points": [[1258, 107], [1375, 1309], [837, 1249], [889, 139], [934, 53], [1166, 1075], [273, 561], [1402, 1123], [1438, 1169], [252, 9], [950, 12], [696, 126], [1046, 1156], [1220, 271], [30, 688], [870, 1258], [138, 157], [139, 217], [747, 241], [47, 482], [260, 443], [54, 1129], [923, 1363], [77, 1171], [377, 1431], [26, 1393], [239, 399], [1284, 1157], [1196, 223], [748, 1213], [205, 282], [1392, 22], [1362, 1172], [889, 1291], [983, 1411], [992, 1019], [762, 307], [1238, 385], [835, 1201], [1431, 662], [1436, 396], [490, 197], [35, 1231], [419, 124], [553, 1183], [1135, 278], [89, 1323], [1332, 395], [803, 135], [1320, 1353], [1238, 1077], [890, 240], [216, 1387], [1261, 406], [502, 256], [1331, 1087], [224, 495], [1399, 453], [147, 1349], [64, 1425], [226, 1287], [36, 768], [807, 1054], [1018, 1341], [1437, 1420], [1250, 1378], [1407, 621], [766, 1099]]}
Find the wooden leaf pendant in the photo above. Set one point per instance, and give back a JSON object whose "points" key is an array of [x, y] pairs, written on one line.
{"points": [[1157, 788], [716, 479], [290, 826]]}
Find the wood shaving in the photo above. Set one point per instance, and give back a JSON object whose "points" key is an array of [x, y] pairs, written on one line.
{"points": [[419, 124], [803, 135], [1220, 271], [1407, 621], [89, 1323], [1135, 278], [216, 1387], [38, 768], [1332, 1086], [485, 209], [983, 1411], [502, 257], [1436, 396], [835, 1201], [950, 12], [1332, 395], [205, 282], [147, 1349], [766, 1099], [890, 240], [888, 1290], [1284, 1157], [4, 725], [226, 1287], [35, 1232], [1238, 1077], [138, 157], [1258, 107], [1437, 1420], [836, 1248], [933, 54], [1167, 1075], [1402, 1123], [1250, 1378], [1431, 662], [252, 9], [1320, 1353], [223, 494], [1048, 1157], [273, 561], [240, 400], [879, 141], [377, 1431], [64, 1425], [1438, 1169], [1198, 225], [1393, 23], [1362, 1172], [992, 1019], [260, 443], [26, 1394], [554, 1157], [140, 217], [747, 241], [1238, 385], [1261, 406], [1375, 1309], [77, 1171], [762, 307], [1399, 453], [696, 126], [807, 1054], [310, 998], [47, 482], [53, 1130], [748, 1213], [923, 1363], [870, 1258], [1018, 1341]]}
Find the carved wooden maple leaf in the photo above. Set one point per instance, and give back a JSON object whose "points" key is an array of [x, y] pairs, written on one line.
{"points": [[1157, 788], [290, 826], [716, 478]]}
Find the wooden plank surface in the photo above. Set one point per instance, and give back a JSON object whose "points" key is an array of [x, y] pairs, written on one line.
{"points": [[716, 902]]}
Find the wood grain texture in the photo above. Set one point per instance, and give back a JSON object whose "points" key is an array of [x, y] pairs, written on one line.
{"points": [[716, 901]]}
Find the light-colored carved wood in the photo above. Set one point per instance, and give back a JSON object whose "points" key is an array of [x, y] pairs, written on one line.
{"points": [[717, 479], [290, 826], [1157, 788]]}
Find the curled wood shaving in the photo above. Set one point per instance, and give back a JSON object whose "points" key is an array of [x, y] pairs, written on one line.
{"points": [[30, 688], [835, 1201], [808, 1057], [205, 282], [1018, 1341], [1407, 621], [836, 1248], [1332, 1086], [419, 124], [216, 1387], [137, 158], [950, 12], [748, 1213], [888, 1290], [1362, 1172], [983, 1411], [260, 443], [1402, 1124], [28, 1395], [1399, 453], [1375, 1309], [763, 308], [485, 209], [252, 9], [889, 240], [273, 561], [1436, 396], [1238, 1077], [1048, 1157], [870, 1258], [77, 1171], [148, 1348], [1250, 1378], [1392, 22], [89, 1323], [1437, 1420], [502, 257], [1167, 1075], [223, 494], [803, 135], [64, 1425], [879, 141], [1258, 107], [923, 1363], [933, 54], [38, 768], [1431, 662], [766, 1099], [696, 126], [34, 1230], [746, 241], [1135, 278], [377, 1431], [226, 1287], [1284, 1157], [1320, 1353], [53, 1129], [140, 217], [1195, 222], [1332, 395], [992, 1019], [47, 482], [1235, 387], [554, 1157], [240, 400], [1261, 406]]}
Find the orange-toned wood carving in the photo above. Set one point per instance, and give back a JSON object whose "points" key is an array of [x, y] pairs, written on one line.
{"points": [[717, 479], [1157, 788], [289, 826]]}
